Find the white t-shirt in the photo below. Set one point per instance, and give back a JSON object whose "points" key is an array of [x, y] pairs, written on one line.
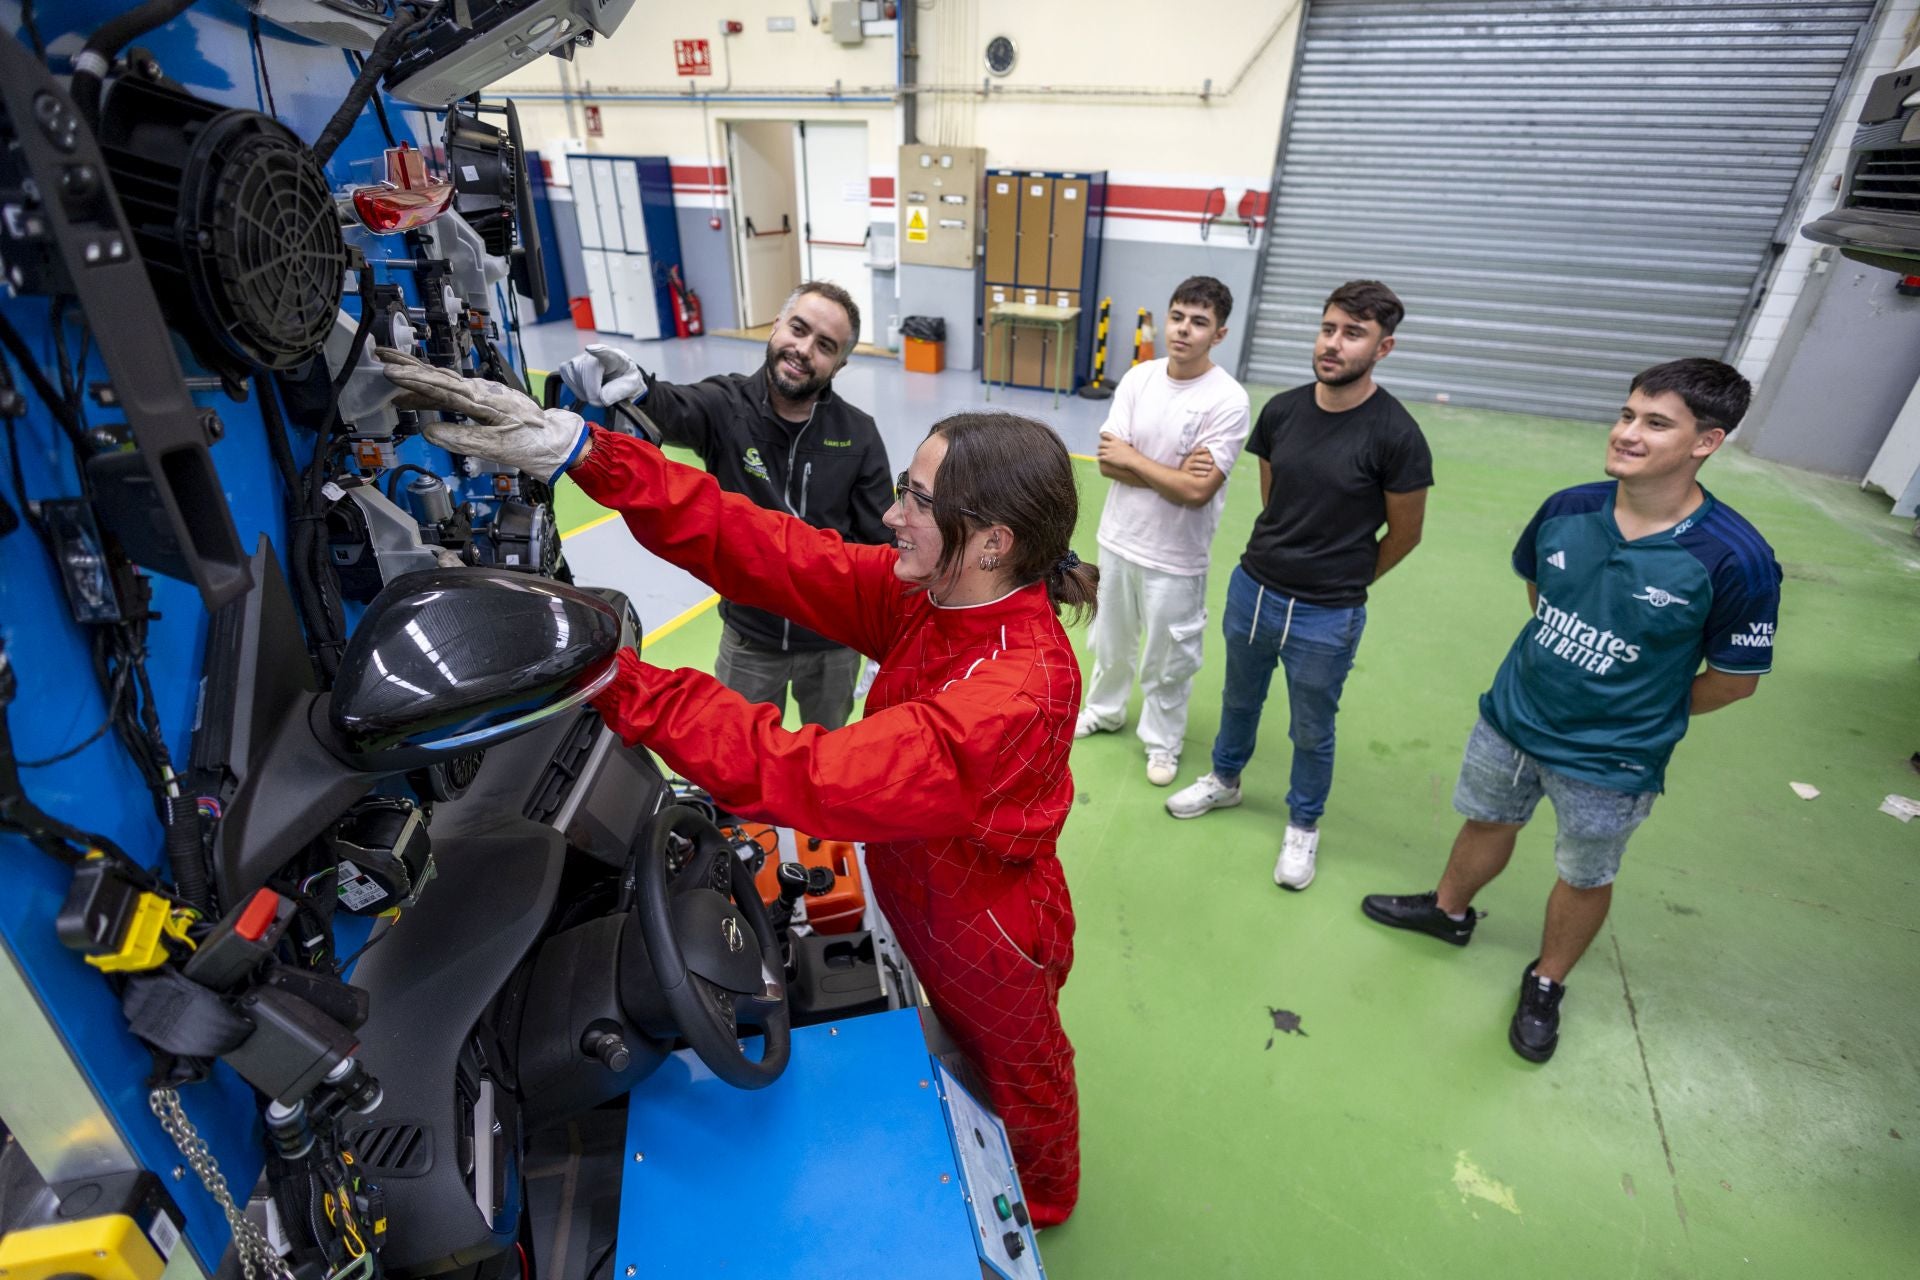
{"points": [[1167, 420]]}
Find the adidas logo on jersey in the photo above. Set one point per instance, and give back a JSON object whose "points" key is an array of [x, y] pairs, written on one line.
{"points": [[1558, 559]]}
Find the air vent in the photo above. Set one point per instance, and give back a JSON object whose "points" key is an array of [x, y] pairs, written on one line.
{"points": [[398, 1150], [563, 772], [1888, 181]]}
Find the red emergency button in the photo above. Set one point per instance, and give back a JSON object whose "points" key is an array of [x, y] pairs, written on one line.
{"points": [[258, 916]]}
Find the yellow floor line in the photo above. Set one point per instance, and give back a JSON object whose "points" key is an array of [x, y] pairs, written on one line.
{"points": [[673, 624], [594, 523], [1084, 457]]}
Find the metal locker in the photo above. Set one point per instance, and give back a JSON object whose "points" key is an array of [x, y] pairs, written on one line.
{"points": [[585, 211], [1061, 298], [606, 197], [1069, 233], [626, 187], [995, 360], [1003, 226], [1036, 227], [633, 287], [600, 290]]}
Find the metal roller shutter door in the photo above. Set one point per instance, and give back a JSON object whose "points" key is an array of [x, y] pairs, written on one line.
{"points": [[1563, 192]]}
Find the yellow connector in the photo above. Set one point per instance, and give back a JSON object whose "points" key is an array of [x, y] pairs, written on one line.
{"points": [[109, 1247], [143, 947]]}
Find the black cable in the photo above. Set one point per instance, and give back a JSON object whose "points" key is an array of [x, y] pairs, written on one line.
{"points": [[300, 564], [84, 743], [260, 63], [32, 24], [93, 62], [57, 405], [392, 481], [379, 107], [27, 512], [52, 836], [278, 444], [73, 375], [311, 516], [386, 51], [601, 1261]]}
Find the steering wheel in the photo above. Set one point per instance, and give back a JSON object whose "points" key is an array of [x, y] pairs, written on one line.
{"points": [[713, 951]]}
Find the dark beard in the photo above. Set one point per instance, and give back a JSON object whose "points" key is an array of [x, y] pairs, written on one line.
{"points": [[805, 389], [1343, 380]]}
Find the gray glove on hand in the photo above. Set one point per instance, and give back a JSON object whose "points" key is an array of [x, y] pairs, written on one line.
{"points": [[603, 375], [504, 425]]}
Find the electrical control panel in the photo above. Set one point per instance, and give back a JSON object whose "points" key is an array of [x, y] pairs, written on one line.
{"points": [[1003, 1228], [939, 204]]}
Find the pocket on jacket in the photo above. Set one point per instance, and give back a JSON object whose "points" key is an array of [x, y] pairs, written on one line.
{"points": [[1007, 939]]}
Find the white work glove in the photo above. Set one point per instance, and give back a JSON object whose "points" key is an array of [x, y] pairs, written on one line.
{"points": [[503, 425], [603, 375]]}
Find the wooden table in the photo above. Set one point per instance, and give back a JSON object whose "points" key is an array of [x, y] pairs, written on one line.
{"points": [[1016, 315]]}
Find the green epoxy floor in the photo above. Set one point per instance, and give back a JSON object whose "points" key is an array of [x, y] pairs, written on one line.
{"points": [[1737, 1090]]}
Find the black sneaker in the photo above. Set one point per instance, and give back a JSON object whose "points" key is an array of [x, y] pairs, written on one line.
{"points": [[1421, 913], [1535, 1029]]}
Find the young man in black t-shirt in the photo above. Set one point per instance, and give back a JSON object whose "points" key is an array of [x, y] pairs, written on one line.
{"points": [[1339, 457]]}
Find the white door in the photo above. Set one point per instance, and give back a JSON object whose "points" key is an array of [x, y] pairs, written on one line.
{"points": [[832, 160], [766, 220]]}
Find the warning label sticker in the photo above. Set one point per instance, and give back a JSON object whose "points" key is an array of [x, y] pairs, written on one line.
{"points": [[917, 225], [356, 890]]}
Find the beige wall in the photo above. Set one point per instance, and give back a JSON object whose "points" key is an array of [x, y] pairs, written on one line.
{"points": [[1127, 80], [639, 60], [1152, 58]]}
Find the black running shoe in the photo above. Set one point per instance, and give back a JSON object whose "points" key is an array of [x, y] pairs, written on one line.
{"points": [[1421, 913], [1535, 1029]]}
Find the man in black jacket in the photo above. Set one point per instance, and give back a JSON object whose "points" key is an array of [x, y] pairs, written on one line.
{"points": [[780, 436]]}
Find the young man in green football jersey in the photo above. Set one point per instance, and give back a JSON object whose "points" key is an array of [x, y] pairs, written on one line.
{"points": [[1634, 582]]}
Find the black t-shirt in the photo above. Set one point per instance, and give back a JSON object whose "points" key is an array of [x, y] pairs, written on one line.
{"points": [[1331, 474]]}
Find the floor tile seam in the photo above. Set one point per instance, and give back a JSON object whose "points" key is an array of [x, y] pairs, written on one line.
{"points": [[1646, 1071]]}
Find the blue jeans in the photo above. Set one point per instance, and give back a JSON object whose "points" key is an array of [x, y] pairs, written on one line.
{"points": [[1316, 646], [1501, 783]]}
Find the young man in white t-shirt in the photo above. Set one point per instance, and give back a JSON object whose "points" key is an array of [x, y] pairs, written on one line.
{"points": [[1173, 433]]}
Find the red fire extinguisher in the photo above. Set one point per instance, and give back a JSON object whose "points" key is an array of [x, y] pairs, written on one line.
{"points": [[678, 294], [686, 306]]}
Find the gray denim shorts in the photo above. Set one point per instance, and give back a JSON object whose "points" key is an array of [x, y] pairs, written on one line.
{"points": [[1501, 783]]}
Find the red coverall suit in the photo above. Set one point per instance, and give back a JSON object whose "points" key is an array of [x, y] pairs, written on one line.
{"points": [[956, 779]]}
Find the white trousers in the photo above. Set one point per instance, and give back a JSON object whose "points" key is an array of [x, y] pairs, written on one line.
{"points": [[1170, 609]]}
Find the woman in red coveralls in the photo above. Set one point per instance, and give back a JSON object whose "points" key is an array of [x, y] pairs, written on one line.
{"points": [[956, 778]]}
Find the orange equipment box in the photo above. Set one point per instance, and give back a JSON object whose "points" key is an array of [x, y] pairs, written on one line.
{"points": [[837, 911], [924, 356]]}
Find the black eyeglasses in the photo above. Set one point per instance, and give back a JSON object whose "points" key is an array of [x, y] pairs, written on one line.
{"points": [[903, 489]]}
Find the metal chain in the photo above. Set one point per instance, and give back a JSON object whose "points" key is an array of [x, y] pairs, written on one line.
{"points": [[248, 1243]]}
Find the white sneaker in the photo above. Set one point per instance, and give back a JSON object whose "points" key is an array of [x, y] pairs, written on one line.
{"points": [[1294, 870], [1208, 792], [1086, 726], [1162, 767]]}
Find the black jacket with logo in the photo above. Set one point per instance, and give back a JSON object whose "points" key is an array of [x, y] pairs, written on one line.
{"points": [[831, 471]]}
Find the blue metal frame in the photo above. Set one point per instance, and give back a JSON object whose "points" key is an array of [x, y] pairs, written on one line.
{"points": [[841, 1167], [208, 50]]}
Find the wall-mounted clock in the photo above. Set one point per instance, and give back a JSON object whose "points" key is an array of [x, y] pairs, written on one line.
{"points": [[1001, 54]]}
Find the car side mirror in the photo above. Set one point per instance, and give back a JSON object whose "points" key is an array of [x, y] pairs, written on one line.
{"points": [[447, 661]]}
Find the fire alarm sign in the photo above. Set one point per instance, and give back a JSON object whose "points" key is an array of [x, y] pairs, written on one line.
{"points": [[692, 57]]}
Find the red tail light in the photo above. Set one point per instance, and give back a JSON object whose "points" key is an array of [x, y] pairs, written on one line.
{"points": [[409, 198]]}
